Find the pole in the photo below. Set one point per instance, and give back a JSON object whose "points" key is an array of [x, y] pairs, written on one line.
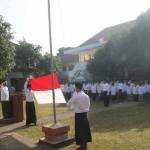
{"points": [[51, 62]]}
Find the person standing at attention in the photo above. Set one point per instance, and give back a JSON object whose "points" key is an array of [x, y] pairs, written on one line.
{"points": [[30, 107], [6, 107], [80, 104]]}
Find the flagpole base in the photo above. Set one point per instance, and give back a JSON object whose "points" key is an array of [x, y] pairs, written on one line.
{"points": [[56, 135]]}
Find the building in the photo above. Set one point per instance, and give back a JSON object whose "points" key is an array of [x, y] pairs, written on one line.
{"points": [[75, 59]]}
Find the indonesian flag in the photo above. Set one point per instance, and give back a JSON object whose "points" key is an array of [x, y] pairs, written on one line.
{"points": [[42, 89]]}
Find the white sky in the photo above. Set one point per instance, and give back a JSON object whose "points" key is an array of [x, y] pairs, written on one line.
{"points": [[73, 21]]}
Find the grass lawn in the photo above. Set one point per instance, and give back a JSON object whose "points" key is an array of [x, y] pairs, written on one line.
{"points": [[44, 110], [47, 109], [120, 129]]}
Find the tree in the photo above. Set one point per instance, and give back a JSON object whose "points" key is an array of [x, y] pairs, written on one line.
{"points": [[7, 48], [126, 56], [44, 66], [27, 57]]}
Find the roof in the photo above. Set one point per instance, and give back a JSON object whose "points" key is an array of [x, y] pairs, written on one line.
{"points": [[107, 33], [83, 48]]}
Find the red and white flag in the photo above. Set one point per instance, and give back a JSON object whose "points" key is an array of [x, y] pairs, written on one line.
{"points": [[42, 89]]}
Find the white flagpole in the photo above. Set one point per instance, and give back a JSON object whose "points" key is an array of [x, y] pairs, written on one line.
{"points": [[51, 62]]}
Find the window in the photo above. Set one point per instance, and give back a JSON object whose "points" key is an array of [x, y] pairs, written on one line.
{"points": [[87, 57]]}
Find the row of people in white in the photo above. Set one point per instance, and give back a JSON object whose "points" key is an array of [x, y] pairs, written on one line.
{"points": [[112, 88]]}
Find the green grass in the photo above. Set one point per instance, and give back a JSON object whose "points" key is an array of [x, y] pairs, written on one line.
{"points": [[120, 129], [47, 109], [44, 110]]}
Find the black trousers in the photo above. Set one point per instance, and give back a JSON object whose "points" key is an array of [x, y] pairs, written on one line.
{"points": [[82, 129], [113, 97], [6, 109], [106, 99], [120, 95], [94, 95], [30, 113]]}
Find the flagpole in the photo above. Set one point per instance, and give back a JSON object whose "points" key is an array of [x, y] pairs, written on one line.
{"points": [[51, 61]]}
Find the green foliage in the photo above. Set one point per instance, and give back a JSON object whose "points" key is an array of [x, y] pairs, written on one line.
{"points": [[30, 60], [44, 66], [7, 48], [126, 56], [27, 57]]}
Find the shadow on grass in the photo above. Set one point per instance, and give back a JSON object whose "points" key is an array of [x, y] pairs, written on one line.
{"points": [[121, 119]]}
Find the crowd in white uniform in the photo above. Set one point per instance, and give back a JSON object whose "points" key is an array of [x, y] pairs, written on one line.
{"points": [[115, 90]]}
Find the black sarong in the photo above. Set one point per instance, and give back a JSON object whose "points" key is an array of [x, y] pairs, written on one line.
{"points": [[106, 99], [82, 129], [30, 113], [6, 109]]}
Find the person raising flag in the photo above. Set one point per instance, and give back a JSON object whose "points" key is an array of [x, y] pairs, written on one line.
{"points": [[30, 107]]}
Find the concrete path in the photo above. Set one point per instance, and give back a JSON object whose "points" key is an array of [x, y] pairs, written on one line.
{"points": [[13, 141]]}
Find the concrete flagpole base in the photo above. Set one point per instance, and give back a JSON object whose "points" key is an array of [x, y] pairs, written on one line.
{"points": [[56, 135]]}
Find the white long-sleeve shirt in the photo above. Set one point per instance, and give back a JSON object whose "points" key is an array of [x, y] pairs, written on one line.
{"points": [[129, 89], [141, 90], [4, 93], [93, 88], [79, 102], [113, 90], [135, 90], [29, 95]]}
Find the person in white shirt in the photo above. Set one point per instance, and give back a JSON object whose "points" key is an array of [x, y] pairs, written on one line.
{"points": [[94, 91], [129, 92], [113, 91], [30, 107], [135, 91], [120, 90], [148, 90], [85, 88], [6, 107], [69, 90], [124, 90], [88, 87], [140, 92], [105, 93], [145, 90], [80, 104], [99, 90]]}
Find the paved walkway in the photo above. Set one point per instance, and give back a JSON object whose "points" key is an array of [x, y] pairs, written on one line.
{"points": [[13, 141]]}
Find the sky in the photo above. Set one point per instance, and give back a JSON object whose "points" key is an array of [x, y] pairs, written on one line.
{"points": [[73, 21]]}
